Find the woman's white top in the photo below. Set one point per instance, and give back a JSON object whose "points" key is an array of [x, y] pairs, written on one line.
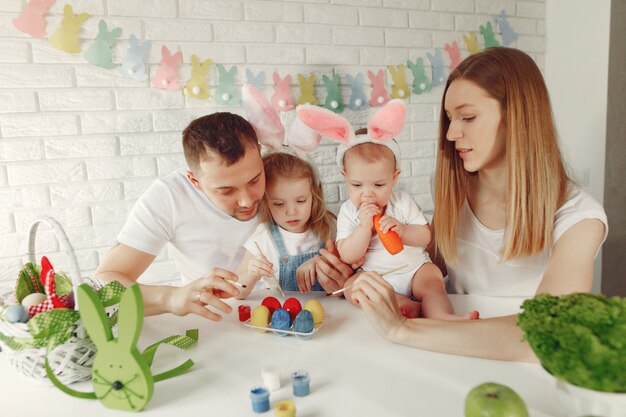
{"points": [[480, 271]]}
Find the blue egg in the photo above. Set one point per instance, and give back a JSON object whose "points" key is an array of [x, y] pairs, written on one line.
{"points": [[281, 320], [304, 322], [16, 314]]}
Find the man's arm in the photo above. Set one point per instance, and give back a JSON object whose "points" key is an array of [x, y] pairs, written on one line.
{"points": [[126, 264]]}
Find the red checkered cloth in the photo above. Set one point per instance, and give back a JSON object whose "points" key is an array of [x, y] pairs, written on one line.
{"points": [[49, 282]]}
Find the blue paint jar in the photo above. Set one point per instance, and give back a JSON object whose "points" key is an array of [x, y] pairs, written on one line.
{"points": [[300, 381], [260, 397]]}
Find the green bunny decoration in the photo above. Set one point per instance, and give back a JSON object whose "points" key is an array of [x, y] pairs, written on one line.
{"points": [[121, 376]]}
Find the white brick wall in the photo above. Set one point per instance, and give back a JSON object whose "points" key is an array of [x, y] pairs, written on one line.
{"points": [[81, 143]]}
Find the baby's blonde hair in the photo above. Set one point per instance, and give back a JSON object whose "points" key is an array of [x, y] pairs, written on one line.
{"points": [[283, 165]]}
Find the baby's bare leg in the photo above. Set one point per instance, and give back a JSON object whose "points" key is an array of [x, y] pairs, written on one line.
{"points": [[429, 288]]}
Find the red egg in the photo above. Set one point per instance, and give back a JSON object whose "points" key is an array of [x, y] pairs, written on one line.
{"points": [[271, 303], [293, 306]]}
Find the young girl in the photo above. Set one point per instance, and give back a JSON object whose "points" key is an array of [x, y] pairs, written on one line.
{"points": [[295, 225]]}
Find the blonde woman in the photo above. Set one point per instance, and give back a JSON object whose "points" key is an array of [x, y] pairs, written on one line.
{"points": [[508, 221]]}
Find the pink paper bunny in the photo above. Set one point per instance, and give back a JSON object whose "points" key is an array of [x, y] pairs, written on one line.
{"points": [[166, 77], [453, 52], [379, 95], [31, 20], [281, 99]]}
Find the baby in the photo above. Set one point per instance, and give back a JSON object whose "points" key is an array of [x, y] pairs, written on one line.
{"points": [[371, 172]]}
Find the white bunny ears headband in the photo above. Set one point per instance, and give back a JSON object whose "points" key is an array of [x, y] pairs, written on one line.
{"points": [[313, 122]]}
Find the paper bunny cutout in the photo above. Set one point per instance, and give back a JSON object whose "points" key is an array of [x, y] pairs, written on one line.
{"points": [[307, 89], [379, 95], [133, 64], [281, 99], [65, 37], [454, 54], [440, 72], [358, 101], [256, 80], [225, 93], [488, 36], [268, 126], [508, 34], [333, 101], [471, 42], [31, 20], [399, 89], [421, 83], [100, 53], [166, 77], [197, 86], [382, 127]]}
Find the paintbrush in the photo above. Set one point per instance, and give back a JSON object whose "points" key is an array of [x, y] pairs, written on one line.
{"points": [[273, 276], [235, 283], [382, 275]]}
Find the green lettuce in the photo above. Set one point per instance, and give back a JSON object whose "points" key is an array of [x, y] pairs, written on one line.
{"points": [[579, 338]]}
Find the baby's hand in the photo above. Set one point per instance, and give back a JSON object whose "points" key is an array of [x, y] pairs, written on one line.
{"points": [[366, 214], [387, 223], [259, 267]]}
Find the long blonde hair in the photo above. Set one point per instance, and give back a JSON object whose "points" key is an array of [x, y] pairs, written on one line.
{"points": [[537, 181], [283, 165]]}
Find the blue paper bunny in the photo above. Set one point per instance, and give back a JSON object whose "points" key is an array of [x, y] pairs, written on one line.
{"points": [[133, 64], [358, 100], [508, 34], [440, 72]]}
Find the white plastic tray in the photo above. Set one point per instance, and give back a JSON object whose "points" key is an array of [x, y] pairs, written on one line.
{"points": [[278, 332]]}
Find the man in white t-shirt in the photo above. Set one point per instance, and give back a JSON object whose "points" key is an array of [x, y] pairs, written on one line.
{"points": [[206, 213]]}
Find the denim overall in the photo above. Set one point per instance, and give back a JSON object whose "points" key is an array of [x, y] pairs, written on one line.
{"points": [[289, 263]]}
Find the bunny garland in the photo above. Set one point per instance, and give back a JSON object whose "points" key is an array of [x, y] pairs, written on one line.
{"points": [[31, 20]]}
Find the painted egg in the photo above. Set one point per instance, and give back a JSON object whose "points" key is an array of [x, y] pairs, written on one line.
{"points": [[71, 300], [34, 299], [304, 322], [293, 306], [316, 309], [281, 320], [16, 314], [272, 303], [260, 317]]}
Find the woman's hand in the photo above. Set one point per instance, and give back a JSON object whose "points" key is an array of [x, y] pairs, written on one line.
{"points": [[378, 300], [195, 297], [305, 275]]}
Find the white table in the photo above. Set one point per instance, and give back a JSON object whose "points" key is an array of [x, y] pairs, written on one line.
{"points": [[354, 372]]}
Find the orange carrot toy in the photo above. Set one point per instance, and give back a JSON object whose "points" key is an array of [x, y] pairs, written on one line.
{"points": [[390, 240]]}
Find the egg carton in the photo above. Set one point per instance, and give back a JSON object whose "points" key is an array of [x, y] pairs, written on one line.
{"points": [[278, 332]]}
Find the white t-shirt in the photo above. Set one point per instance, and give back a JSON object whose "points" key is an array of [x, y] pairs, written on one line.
{"points": [[402, 207], [479, 270], [203, 236], [295, 243]]}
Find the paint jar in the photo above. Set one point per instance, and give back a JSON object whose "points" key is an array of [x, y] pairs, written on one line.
{"points": [[285, 408], [271, 377], [260, 397], [244, 312], [300, 381]]}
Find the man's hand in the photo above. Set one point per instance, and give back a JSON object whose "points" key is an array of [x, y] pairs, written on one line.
{"points": [[330, 270]]}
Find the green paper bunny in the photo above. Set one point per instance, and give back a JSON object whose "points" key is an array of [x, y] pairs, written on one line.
{"points": [[121, 376], [100, 53], [488, 35], [333, 101], [421, 83]]}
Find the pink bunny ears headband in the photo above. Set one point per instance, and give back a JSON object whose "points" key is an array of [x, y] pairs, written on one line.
{"points": [[313, 122]]}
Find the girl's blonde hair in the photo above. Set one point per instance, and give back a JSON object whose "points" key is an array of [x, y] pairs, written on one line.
{"points": [[536, 177], [283, 165]]}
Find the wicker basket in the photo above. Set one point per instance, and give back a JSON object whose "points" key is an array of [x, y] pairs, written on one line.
{"points": [[70, 361]]}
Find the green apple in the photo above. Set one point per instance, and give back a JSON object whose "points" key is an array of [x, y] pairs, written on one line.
{"points": [[494, 400]]}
